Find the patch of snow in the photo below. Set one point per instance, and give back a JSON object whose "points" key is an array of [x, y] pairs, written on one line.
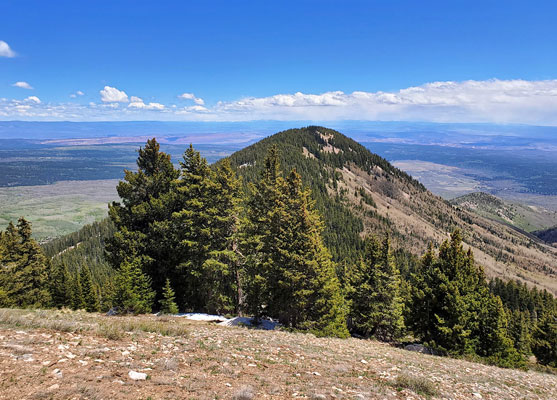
{"points": [[265, 324], [202, 317]]}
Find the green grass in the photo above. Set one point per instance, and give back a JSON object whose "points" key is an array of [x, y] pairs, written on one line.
{"points": [[59, 208]]}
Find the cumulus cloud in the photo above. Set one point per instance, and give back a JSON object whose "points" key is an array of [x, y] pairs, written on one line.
{"points": [[33, 99], [5, 50], [190, 96], [76, 94], [137, 102], [490, 101], [22, 85], [192, 110], [112, 95], [498, 101]]}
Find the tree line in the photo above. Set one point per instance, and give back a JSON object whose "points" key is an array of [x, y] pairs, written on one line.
{"points": [[197, 238]]}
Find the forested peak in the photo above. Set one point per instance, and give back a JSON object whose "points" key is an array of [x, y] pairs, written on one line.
{"points": [[316, 144]]}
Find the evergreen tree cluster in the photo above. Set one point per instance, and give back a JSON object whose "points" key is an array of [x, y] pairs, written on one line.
{"points": [[532, 316], [200, 238], [23, 268]]}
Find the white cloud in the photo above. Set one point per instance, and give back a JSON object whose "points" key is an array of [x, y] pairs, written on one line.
{"points": [[33, 99], [5, 50], [190, 96], [22, 85], [490, 101], [137, 102], [112, 95], [193, 110], [497, 101], [76, 94]]}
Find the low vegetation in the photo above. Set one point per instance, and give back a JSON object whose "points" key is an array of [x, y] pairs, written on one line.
{"points": [[200, 239], [212, 361]]}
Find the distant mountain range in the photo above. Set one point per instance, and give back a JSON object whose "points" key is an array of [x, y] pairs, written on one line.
{"points": [[359, 193]]}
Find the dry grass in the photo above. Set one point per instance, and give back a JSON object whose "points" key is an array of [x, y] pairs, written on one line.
{"points": [[114, 328], [95, 353], [416, 384]]}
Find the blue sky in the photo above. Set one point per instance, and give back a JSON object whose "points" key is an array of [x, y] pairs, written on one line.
{"points": [[450, 61]]}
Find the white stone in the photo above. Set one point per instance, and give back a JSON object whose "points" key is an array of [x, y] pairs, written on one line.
{"points": [[137, 376]]}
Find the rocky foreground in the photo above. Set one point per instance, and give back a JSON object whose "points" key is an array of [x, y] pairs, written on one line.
{"points": [[74, 355]]}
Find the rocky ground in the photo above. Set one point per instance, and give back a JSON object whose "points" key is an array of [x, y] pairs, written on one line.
{"points": [[55, 355]]}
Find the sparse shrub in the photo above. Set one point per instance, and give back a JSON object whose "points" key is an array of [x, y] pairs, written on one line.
{"points": [[416, 384], [245, 393]]}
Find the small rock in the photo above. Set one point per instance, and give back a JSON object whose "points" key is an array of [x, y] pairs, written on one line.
{"points": [[363, 361], [57, 373], [228, 384], [46, 362], [137, 376], [54, 387], [252, 365], [316, 373], [477, 395]]}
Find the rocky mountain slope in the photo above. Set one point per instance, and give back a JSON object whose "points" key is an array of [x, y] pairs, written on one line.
{"points": [[548, 235], [527, 218], [56, 355], [359, 193]]}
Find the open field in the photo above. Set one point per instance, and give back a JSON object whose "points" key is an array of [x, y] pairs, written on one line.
{"points": [[57, 355], [59, 208]]}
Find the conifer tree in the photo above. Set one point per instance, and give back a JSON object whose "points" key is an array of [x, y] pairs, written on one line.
{"points": [[544, 340], [292, 275], [25, 277], [133, 293], [168, 306], [519, 331], [377, 306], [60, 285], [78, 301], [192, 224], [453, 309], [259, 229], [90, 296], [146, 201], [360, 289]]}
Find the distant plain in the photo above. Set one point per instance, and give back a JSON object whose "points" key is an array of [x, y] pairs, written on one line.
{"points": [[62, 175]]}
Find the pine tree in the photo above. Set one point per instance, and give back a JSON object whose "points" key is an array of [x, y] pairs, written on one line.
{"points": [[133, 293], [90, 296], [292, 275], [544, 340], [194, 225], [360, 291], [259, 229], [519, 331], [453, 310], [146, 203], [168, 306], [25, 277], [377, 304], [60, 285], [78, 301]]}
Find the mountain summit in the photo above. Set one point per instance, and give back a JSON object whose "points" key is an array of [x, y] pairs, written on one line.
{"points": [[358, 193]]}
